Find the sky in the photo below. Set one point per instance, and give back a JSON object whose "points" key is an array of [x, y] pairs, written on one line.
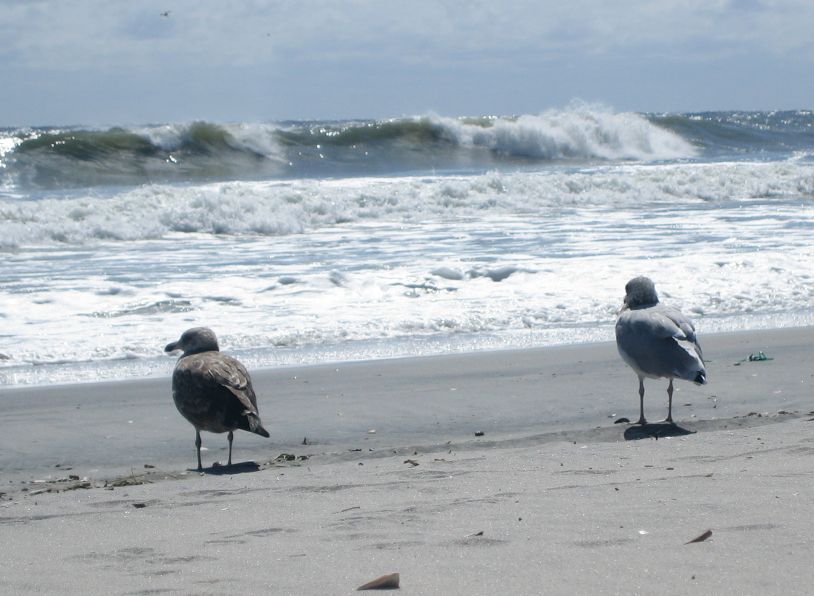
{"points": [[106, 62]]}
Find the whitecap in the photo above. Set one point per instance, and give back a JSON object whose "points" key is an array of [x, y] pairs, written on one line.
{"points": [[581, 131]]}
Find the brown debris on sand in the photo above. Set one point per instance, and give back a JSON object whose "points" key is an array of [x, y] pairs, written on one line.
{"points": [[385, 582], [700, 538]]}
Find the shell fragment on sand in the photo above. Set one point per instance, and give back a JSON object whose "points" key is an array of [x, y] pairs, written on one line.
{"points": [[385, 582], [700, 538]]}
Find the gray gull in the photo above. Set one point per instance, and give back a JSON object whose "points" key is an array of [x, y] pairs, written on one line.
{"points": [[212, 391], [657, 341]]}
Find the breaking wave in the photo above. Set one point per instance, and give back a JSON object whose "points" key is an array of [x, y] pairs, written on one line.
{"points": [[203, 151], [577, 134]]}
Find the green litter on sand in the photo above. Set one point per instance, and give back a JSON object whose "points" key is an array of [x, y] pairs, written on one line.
{"points": [[757, 357]]}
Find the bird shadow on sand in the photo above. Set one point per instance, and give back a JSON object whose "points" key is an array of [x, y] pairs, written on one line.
{"points": [[656, 431], [243, 467]]}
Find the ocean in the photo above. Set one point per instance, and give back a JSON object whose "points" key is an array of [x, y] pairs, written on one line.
{"points": [[313, 242]]}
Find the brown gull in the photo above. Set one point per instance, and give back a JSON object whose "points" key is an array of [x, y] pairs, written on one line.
{"points": [[212, 391], [657, 341]]}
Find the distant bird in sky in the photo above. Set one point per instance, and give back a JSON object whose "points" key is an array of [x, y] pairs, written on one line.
{"points": [[212, 391], [166, 13], [657, 341]]}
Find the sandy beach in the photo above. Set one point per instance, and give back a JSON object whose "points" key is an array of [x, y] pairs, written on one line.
{"points": [[444, 243], [375, 467]]}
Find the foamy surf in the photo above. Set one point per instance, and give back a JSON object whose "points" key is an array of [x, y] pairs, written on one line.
{"points": [[295, 207], [533, 250]]}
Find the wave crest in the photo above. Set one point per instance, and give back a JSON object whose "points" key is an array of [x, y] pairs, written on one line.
{"points": [[205, 151], [582, 132]]}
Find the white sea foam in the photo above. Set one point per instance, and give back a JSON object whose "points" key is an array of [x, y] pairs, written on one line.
{"points": [[307, 271], [404, 310], [280, 208], [7, 144], [370, 289], [95, 282], [581, 131]]}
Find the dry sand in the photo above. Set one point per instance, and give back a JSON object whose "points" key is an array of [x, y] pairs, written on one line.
{"points": [[554, 498]]}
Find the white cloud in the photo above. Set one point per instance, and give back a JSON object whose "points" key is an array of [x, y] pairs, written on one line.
{"points": [[82, 34], [114, 61]]}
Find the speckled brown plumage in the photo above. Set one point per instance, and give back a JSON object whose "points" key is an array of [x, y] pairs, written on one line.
{"points": [[211, 390]]}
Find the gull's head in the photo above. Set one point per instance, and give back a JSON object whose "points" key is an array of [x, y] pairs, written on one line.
{"points": [[639, 292], [194, 341]]}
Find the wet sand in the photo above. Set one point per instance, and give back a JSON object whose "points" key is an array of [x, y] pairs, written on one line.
{"points": [[99, 495]]}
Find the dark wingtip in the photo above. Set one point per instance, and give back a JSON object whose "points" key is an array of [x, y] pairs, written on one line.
{"points": [[254, 424], [700, 378]]}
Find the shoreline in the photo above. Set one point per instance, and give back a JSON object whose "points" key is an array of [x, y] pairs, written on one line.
{"points": [[397, 402], [241, 355]]}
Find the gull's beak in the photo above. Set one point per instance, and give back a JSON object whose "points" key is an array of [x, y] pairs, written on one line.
{"points": [[624, 307], [172, 347]]}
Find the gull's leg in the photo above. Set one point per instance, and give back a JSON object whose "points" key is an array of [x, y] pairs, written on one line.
{"points": [[198, 448], [230, 436], [641, 421], [670, 402]]}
